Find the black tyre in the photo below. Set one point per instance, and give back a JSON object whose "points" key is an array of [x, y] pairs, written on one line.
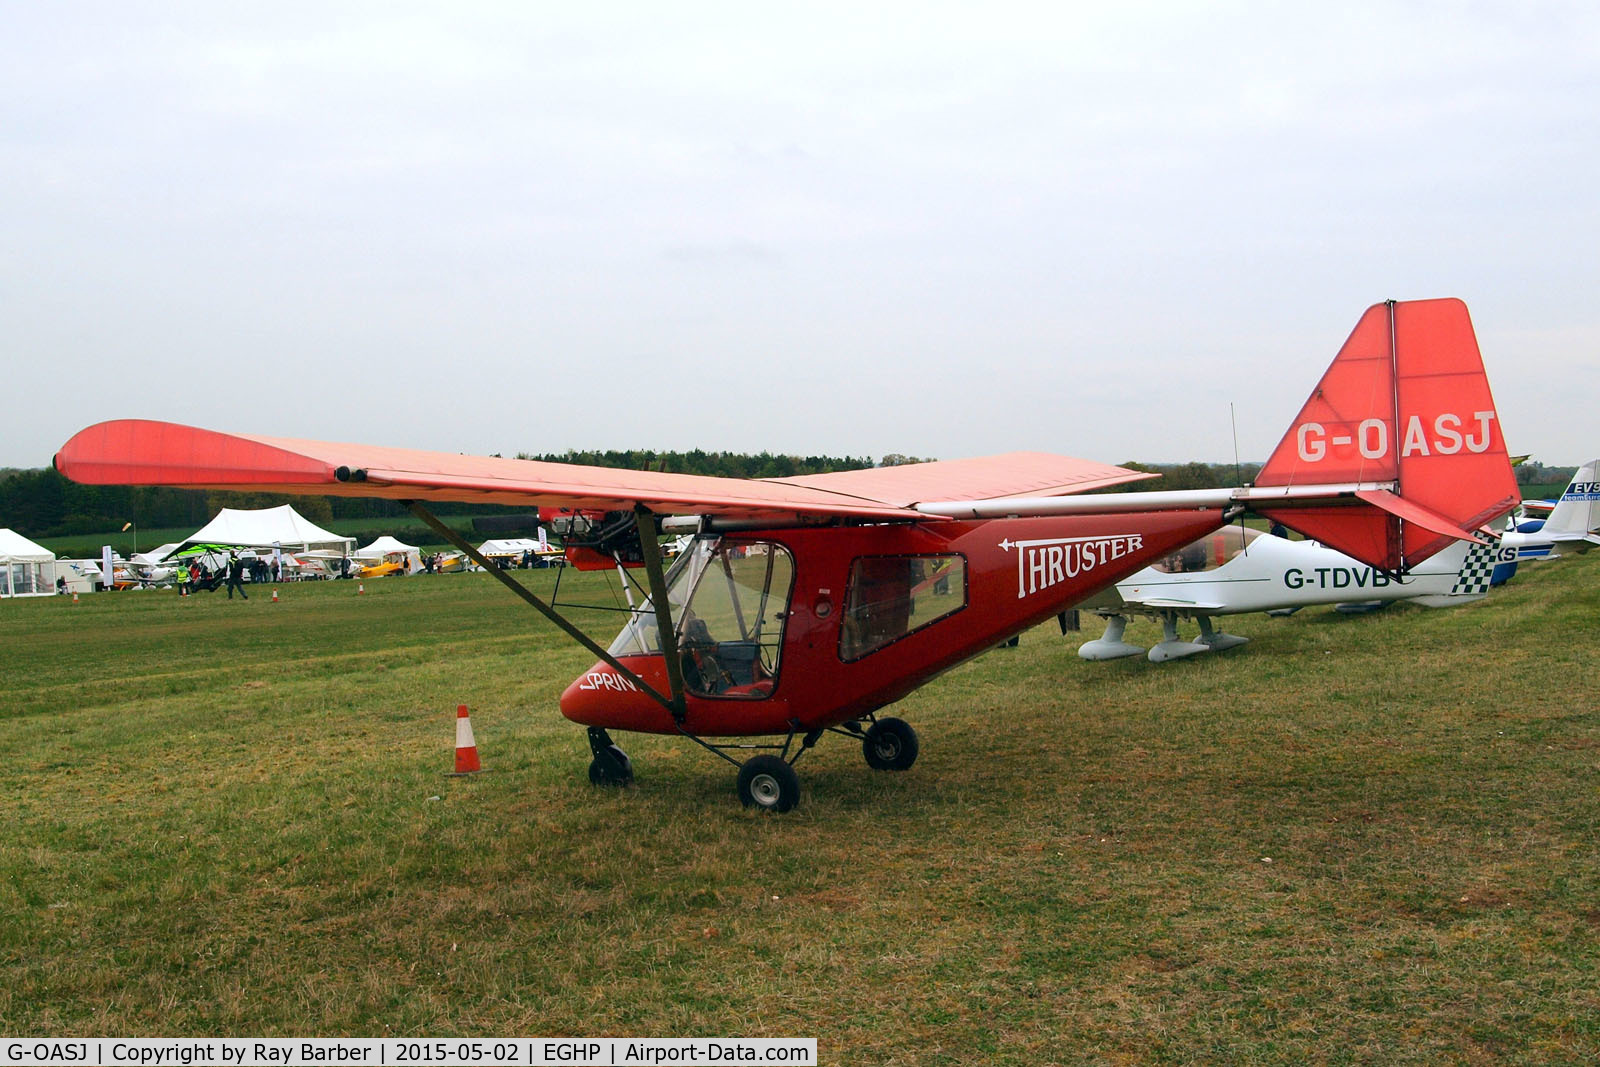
{"points": [[611, 766], [768, 783], [890, 745]]}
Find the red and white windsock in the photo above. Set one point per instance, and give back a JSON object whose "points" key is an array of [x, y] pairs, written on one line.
{"points": [[466, 747]]}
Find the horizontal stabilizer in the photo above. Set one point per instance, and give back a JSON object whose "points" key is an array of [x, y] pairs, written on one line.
{"points": [[1417, 515]]}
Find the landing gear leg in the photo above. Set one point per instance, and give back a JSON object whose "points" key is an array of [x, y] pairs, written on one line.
{"points": [[1172, 646], [1215, 639], [610, 765]]}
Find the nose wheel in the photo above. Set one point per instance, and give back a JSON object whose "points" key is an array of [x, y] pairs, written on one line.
{"points": [[610, 765]]}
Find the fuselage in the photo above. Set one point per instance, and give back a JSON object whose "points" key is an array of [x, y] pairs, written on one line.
{"points": [[864, 614], [1273, 573]]}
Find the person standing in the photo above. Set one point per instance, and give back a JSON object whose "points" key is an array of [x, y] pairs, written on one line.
{"points": [[236, 575]]}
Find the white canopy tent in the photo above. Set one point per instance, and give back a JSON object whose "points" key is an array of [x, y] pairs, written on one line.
{"points": [[387, 547], [26, 569], [283, 527], [506, 550], [509, 546]]}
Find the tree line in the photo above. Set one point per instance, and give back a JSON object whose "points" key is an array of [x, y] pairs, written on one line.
{"points": [[41, 503], [719, 464]]}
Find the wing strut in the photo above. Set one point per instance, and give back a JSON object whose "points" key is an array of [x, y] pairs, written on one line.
{"points": [[650, 549], [673, 703]]}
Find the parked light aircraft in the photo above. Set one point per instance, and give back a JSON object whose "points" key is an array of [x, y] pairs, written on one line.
{"points": [[1574, 521], [807, 605], [1237, 570]]}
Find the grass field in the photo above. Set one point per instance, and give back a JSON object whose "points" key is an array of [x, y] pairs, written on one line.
{"points": [[1356, 840]]}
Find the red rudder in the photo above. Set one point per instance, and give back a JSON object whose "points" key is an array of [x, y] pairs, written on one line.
{"points": [[1405, 402]]}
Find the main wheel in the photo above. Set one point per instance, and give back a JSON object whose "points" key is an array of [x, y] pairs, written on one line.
{"points": [[768, 783], [611, 766], [890, 745]]}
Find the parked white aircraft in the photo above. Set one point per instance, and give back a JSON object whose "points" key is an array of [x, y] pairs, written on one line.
{"points": [[148, 569], [1574, 522], [1238, 570]]}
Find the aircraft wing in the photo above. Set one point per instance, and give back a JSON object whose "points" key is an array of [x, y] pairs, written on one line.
{"points": [[986, 478], [1174, 605], [142, 452]]}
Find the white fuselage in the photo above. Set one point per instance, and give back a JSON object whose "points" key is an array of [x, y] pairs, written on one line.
{"points": [[1273, 573], [1574, 522]]}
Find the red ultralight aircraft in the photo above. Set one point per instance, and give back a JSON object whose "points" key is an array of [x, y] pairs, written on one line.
{"points": [[807, 605]]}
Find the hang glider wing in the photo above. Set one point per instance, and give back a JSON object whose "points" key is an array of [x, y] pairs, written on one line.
{"points": [[141, 452]]}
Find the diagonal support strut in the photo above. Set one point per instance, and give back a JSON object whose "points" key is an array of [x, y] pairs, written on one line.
{"points": [[674, 703], [650, 549]]}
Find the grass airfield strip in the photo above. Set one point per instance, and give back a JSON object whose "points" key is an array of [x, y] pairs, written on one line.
{"points": [[1358, 839]]}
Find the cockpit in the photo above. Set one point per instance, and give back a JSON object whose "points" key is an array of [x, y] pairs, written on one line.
{"points": [[729, 601], [1208, 553]]}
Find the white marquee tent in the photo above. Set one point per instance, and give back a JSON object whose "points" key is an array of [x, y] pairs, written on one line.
{"points": [[26, 569], [386, 546], [509, 546], [508, 550], [265, 527]]}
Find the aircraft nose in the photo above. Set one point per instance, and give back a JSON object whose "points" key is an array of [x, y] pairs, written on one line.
{"points": [[600, 696], [578, 699]]}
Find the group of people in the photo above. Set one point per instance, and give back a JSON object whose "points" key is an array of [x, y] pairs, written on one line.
{"points": [[530, 559], [196, 576]]}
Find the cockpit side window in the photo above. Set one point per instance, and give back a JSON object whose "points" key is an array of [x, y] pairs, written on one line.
{"points": [[729, 604], [731, 636], [892, 596], [1208, 553]]}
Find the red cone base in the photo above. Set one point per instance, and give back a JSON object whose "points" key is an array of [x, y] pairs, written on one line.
{"points": [[466, 747]]}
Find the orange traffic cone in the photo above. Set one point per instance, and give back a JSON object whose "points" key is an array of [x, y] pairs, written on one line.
{"points": [[466, 747], [74, 596], [274, 596], [361, 587]]}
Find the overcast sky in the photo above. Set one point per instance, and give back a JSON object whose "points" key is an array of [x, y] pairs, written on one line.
{"points": [[942, 230]]}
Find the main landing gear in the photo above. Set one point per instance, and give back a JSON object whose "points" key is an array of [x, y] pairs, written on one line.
{"points": [[768, 782], [890, 745], [1171, 647]]}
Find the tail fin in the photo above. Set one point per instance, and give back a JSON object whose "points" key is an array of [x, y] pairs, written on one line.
{"points": [[1477, 569], [1404, 404], [1578, 511], [1474, 575]]}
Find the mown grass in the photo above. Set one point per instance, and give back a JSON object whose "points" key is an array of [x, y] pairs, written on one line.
{"points": [[1357, 840]]}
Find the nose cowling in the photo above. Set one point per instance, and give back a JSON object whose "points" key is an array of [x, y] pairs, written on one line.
{"points": [[602, 697]]}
